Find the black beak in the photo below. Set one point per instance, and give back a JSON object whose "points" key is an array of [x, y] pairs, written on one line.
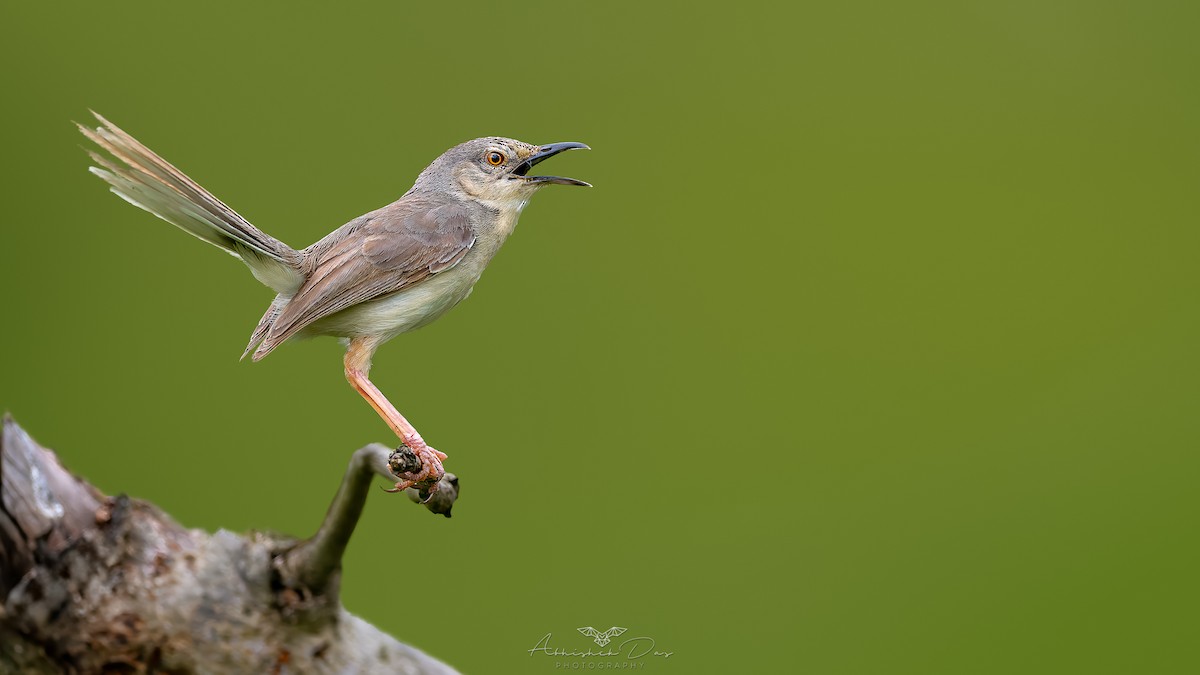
{"points": [[545, 152]]}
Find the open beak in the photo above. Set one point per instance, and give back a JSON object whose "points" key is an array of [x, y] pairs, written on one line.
{"points": [[545, 152]]}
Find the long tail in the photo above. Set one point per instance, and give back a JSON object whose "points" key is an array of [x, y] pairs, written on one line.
{"points": [[151, 183]]}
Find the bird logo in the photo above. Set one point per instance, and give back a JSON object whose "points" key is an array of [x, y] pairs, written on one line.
{"points": [[601, 638]]}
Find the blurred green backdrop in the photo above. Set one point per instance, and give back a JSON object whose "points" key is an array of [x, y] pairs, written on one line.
{"points": [[873, 350]]}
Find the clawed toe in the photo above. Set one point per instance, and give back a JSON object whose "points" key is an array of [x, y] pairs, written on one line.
{"points": [[420, 468]]}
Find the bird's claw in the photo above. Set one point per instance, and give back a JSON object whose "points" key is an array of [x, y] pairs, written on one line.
{"points": [[420, 468]]}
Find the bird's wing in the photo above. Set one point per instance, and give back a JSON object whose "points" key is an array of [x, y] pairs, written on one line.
{"points": [[380, 253], [613, 632], [589, 631]]}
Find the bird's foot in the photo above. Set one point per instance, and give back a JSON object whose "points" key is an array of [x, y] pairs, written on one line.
{"points": [[419, 467]]}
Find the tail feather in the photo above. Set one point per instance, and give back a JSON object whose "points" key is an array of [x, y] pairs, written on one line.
{"points": [[153, 184]]}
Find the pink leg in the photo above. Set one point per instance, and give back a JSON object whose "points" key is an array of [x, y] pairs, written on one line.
{"points": [[358, 364]]}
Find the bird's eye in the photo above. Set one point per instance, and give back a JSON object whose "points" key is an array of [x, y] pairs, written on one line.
{"points": [[495, 158]]}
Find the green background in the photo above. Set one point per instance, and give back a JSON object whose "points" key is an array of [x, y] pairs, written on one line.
{"points": [[873, 350]]}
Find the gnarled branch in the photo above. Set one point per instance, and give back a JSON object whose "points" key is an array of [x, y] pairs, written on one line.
{"points": [[92, 583]]}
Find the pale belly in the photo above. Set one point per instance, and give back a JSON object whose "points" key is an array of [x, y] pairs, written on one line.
{"points": [[402, 311]]}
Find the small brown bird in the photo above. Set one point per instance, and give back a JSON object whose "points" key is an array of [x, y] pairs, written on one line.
{"points": [[386, 272]]}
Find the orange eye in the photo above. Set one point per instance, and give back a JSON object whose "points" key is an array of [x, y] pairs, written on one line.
{"points": [[495, 158]]}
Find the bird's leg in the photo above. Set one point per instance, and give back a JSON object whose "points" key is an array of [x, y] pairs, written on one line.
{"points": [[358, 365]]}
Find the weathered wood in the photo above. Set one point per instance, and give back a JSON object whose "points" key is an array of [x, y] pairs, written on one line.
{"points": [[111, 584]]}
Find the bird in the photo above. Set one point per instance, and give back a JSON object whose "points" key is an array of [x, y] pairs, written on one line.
{"points": [[386, 272], [601, 638]]}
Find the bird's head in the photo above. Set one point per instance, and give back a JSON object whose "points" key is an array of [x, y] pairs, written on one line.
{"points": [[495, 170]]}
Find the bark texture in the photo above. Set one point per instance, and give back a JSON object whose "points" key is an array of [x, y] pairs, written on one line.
{"points": [[98, 584]]}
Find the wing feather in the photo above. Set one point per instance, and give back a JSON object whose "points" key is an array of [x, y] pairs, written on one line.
{"points": [[372, 256]]}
